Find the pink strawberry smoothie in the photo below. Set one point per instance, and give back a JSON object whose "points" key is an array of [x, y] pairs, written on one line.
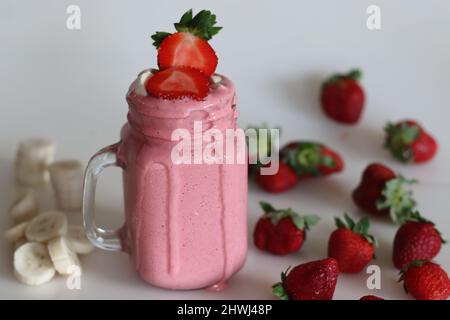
{"points": [[186, 224]]}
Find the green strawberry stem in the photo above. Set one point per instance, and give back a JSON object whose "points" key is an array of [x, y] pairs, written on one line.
{"points": [[278, 288], [202, 25], [267, 207], [361, 227], [354, 74], [399, 139], [399, 201], [307, 157], [275, 215], [159, 37]]}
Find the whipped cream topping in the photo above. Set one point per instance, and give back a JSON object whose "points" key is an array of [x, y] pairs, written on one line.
{"points": [[215, 79], [141, 80]]}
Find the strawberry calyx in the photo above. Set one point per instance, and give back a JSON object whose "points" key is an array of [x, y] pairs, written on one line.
{"points": [[354, 74], [397, 199], [159, 37], [361, 227], [278, 288], [399, 138], [415, 216], [275, 215], [307, 157], [201, 25]]}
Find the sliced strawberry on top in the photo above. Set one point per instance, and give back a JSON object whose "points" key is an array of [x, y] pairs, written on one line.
{"points": [[177, 83], [189, 45], [186, 49]]}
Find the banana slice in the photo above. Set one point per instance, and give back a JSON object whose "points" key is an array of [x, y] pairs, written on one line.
{"points": [[32, 264], [16, 233], [67, 179], [47, 226], [78, 240], [65, 260], [25, 207], [32, 159]]}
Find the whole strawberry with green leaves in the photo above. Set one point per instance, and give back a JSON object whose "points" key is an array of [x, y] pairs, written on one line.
{"points": [[383, 192], [281, 231], [425, 280], [416, 239], [315, 280], [351, 244], [343, 98], [409, 142], [311, 159]]}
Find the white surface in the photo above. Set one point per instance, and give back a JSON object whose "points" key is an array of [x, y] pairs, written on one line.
{"points": [[70, 85]]}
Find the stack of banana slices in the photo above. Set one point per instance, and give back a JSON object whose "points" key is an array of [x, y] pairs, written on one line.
{"points": [[45, 243]]}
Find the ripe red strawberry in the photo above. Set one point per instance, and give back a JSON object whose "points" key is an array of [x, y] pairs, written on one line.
{"points": [[343, 98], [425, 280], [178, 82], [408, 142], [283, 180], [381, 191], [314, 280], [351, 244], [310, 159], [371, 297], [281, 231], [416, 239], [189, 46]]}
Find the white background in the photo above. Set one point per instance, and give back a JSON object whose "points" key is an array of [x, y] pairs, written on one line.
{"points": [[71, 85]]}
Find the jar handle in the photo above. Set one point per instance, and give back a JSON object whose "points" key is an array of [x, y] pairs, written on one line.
{"points": [[101, 238]]}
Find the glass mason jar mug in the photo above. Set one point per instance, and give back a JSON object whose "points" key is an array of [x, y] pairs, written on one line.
{"points": [[185, 224]]}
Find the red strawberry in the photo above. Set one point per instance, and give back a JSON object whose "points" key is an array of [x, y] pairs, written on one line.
{"points": [[185, 49], [343, 98], [178, 82], [351, 244], [283, 180], [426, 280], [416, 239], [281, 231], [189, 46], [408, 142], [381, 191], [310, 159], [371, 297], [314, 280]]}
